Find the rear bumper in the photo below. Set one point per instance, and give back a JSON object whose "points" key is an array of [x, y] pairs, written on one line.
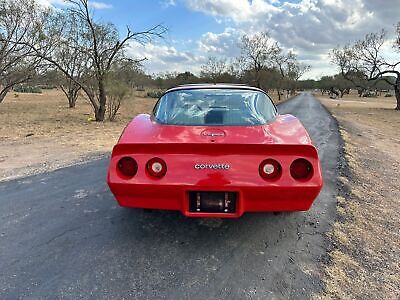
{"points": [[250, 199]]}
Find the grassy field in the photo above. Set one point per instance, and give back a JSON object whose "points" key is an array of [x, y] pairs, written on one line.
{"points": [[364, 261], [39, 132]]}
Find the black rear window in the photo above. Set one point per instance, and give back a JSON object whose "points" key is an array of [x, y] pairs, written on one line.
{"points": [[223, 107]]}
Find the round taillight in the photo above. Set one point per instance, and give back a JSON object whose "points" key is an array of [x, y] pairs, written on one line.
{"points": [[270, 169], [127, 166], [301, 169], [156, 167]]}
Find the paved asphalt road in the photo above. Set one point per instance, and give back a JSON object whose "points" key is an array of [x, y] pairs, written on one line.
{"points": [[63, 236]]}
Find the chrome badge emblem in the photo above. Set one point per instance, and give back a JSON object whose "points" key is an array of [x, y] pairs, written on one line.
{"points": [[212, 166], [213, 134]]}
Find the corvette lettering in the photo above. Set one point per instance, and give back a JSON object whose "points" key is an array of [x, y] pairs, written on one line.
{"points": [[212, 166]]}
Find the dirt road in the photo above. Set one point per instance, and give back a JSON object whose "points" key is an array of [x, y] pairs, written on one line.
{"points": [[62, 235]]}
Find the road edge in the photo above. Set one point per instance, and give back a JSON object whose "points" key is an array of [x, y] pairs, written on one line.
{"points": [[343, 190]]}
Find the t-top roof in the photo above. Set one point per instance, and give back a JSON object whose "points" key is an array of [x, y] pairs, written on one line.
{"points": [[214, 86]]}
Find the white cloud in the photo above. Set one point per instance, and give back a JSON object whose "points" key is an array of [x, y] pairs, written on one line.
{"points": [[309, 21], [168, 3], [162, 58], [238, 10], [49, 3], [311, 27], [167, 58], [94, 4], [224, 43], [99, 5]]}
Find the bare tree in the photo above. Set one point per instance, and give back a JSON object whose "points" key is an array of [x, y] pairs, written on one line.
{"points": [[294, 72], [19, 21], [290, 70], [335, 85], [257, 53], [214, 68], [68, 54], [281, 62], [132, 74], [364, 58], [324, 84], [101, 46], [341, 84], [237, 67], [349, 65]]}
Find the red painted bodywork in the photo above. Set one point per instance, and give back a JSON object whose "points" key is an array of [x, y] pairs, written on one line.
{"points": [[243, 147]]}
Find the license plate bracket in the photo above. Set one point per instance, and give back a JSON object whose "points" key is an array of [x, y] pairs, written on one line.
{"points": [[212, 202]]}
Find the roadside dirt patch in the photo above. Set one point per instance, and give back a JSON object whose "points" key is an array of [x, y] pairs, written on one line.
{"points": [[364, 260]]}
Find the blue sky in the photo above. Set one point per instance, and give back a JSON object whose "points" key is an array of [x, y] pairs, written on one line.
{"points": [[182, 23], [198, 29]]}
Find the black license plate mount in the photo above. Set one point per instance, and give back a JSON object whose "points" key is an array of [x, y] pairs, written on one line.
{"points": [[212, 202]]}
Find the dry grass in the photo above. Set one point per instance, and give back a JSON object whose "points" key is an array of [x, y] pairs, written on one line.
{"points": [[61, 136], [365, 263]]}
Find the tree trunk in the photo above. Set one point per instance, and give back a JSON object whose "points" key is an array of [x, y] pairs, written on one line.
{"points": [[72, 97], [279, 94], [397, 92], [334, 92], [258, 79], [3, 93], [101, 111], [71, 101], [71, 91]]}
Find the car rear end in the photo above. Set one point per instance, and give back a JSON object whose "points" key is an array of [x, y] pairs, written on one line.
{"points": [[215, 151], [215, 179]]}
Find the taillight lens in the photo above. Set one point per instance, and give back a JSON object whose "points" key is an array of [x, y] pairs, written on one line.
{"points": [[127, 166], [270, 169], [156, 167], [301, 169]]}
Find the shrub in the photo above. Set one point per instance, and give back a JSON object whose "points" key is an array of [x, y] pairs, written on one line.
{"points": [[22, 88], [117, 93], [155, 93], [47, 87]]}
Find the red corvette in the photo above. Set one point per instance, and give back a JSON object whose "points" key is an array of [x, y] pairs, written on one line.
{"points": [[215, 151]]}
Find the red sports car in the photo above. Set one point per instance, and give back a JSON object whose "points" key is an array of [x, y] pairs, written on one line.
{"points": [[215, 151]]}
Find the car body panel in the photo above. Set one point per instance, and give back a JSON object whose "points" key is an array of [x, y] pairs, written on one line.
{"points": [[285, 129]]}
